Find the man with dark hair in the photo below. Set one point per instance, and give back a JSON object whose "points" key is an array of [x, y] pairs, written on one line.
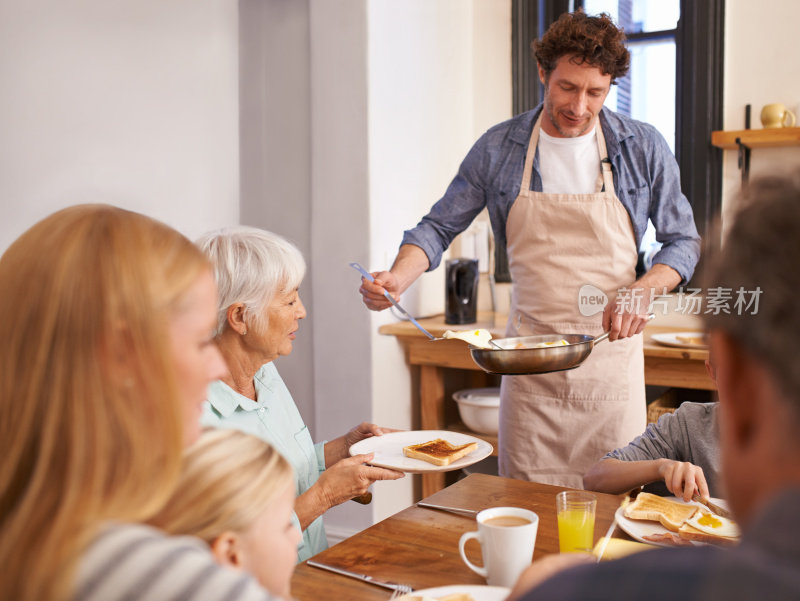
{"points": [[569, 187], [755, 354]]}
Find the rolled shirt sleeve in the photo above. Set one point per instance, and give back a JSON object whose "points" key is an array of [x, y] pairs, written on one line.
{"points": [[658, 441], [319, 449], [672, 215], [688, 434]]}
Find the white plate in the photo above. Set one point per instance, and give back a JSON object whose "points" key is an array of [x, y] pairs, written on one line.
{"points": [[638, 529], [672, 340], [476, 591], [388, 450]]}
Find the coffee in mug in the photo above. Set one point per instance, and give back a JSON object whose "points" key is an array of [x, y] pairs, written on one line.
{"points": [[507, 521], [777, 115], [507, 536]]}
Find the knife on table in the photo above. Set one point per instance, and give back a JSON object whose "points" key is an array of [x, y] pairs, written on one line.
{"points": [[601, 548], [456, 510], [363, 577]]}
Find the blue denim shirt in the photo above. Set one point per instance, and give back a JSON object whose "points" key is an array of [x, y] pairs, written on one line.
{"points": [[646, 180]]}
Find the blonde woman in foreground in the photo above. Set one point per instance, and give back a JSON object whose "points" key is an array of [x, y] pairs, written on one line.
{"points": [[236, 493], [106, 319]]}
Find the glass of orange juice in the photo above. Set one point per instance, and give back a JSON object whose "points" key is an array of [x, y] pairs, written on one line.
{"points": [[575, 510]]}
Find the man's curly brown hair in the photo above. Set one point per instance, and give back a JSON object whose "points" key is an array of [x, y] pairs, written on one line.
{"points": [[593, 40]]}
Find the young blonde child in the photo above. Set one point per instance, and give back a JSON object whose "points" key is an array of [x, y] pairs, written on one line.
{"points": [[236, 493]]}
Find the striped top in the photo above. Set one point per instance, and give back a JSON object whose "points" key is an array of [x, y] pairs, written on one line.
{"points": [[133, 562]]}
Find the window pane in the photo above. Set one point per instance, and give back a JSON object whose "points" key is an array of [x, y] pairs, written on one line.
{"points": [[647, 92], [638, 16], [652, 85], [655, 15], [595, 7]]}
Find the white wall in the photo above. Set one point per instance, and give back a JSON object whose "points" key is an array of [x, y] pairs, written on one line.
{"points": [[275, 96], [133, 103], [354, 116], [339, 227], [439, 76], [421, 117], [761, 67], [391, 112]]}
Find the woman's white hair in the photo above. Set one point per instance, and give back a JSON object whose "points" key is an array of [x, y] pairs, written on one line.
{"points": [[250, 266]]}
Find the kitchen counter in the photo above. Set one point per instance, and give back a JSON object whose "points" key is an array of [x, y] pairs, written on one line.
{"points": [[663, 366]]}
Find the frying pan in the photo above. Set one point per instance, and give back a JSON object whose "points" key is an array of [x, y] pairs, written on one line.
{"points": [[510, 360]]}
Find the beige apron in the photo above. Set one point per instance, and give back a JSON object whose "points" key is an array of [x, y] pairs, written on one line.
{"points": [[553, 427]]}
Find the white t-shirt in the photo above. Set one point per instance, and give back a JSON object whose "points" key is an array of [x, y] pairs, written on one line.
{"points": [[569, 165]]}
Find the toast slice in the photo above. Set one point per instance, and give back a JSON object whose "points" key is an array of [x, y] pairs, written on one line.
{"points": [[669, 514], [689, 532], [439, 451]]}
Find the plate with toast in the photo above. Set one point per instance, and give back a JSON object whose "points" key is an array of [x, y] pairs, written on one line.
{"points": [[422, 451], [672, 522], [459, 592], [696, 340]]}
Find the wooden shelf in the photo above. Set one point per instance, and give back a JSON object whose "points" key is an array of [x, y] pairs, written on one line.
{"points": [[757, 138]]}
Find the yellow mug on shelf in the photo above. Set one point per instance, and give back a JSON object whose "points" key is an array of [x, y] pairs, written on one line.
{"points": [[777, 115]]}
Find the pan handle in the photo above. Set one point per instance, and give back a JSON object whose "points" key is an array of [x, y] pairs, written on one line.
{"points": [[604, 335], [601, 337]]}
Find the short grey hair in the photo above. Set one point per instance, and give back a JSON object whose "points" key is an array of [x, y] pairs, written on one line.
{"points": [[250, 266]]}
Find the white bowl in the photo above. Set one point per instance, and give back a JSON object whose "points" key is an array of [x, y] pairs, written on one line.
{"points": [[479, 409]]}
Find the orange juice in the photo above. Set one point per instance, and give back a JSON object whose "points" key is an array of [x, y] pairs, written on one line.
{"points": [[575, 530]]}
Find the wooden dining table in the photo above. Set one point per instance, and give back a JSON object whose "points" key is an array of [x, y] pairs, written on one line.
{"points": [[419, 546]]}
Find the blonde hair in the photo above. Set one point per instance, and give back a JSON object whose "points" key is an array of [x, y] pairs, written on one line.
{"points": [[90, 417], [250, 266], [228, 480]]}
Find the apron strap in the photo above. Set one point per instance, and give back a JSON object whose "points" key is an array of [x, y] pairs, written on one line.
{"points": [[527, 171], [606, 179]]}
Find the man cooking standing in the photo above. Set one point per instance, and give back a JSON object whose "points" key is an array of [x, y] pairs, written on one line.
{"points": [[569, 187]]}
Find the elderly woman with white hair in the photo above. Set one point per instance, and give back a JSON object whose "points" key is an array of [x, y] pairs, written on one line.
{"points": [[258, 274]]}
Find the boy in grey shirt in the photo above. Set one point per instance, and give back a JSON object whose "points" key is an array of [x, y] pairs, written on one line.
{"points": [[681, 450], [679, 455]]}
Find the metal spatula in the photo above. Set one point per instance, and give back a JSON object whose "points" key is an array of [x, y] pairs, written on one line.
{"points": [[390, 298]]}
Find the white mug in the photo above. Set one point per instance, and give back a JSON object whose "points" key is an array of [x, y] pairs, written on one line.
{"points": [[507, 549]]}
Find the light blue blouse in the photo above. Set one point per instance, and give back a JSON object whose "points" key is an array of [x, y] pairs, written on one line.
{"points": [[273, 417]]}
